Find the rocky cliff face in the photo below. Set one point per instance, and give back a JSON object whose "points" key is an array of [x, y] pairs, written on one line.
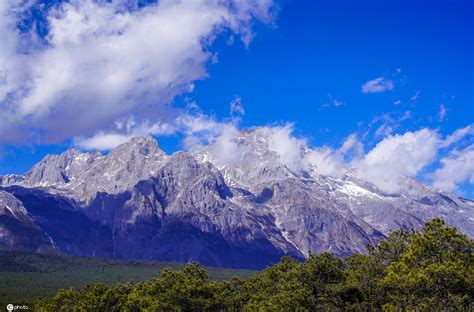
{"points": [[17, 229], [137, 202]]}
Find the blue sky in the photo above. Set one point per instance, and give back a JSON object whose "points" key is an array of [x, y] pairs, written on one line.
{"points": [[332, 47], [305, 64]]}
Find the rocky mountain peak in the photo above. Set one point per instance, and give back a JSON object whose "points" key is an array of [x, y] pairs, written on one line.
{"points": [[56, 169], [144, 146], [257, 142], [10, 205], [215, 204], [257, 135], [248, 159], [85, 174]]}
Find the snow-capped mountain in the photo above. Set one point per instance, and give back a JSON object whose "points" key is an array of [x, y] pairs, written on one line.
{"points": [[237, 206]]}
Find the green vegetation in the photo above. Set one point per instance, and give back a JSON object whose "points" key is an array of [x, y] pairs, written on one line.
{"points": [[25, 276], [431, 270]]}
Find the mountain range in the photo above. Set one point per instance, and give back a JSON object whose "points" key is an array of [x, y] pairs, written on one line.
{"points": [[138, 202]]}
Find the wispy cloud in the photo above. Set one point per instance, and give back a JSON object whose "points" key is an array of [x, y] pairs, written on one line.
{"points": [[331, 102], [101, 61], [377, 85], [415, 97], [386, 124], [102, 141], [124, 131], [236, 106], [442, 113], [458, 135]]}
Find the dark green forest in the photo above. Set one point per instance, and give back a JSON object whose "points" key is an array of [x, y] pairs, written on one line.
{"points": [[25, 276], [431, 270]]}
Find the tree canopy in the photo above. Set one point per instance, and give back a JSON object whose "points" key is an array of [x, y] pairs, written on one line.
{"points": [[431, 270]]}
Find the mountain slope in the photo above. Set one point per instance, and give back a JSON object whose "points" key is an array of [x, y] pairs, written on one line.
{"points": [[243, 209], [18, 231]]}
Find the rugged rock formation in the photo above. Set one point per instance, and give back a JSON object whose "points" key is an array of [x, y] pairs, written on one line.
{"points": [[137, 202], [18, 231]]}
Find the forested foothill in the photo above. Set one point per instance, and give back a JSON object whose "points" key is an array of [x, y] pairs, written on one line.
{"points": [[431, 270]]}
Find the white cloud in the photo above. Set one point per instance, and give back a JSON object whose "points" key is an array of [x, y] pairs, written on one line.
{"points": [[377, 85], [393, 158], [325, 161], [288, 148], [408, 154], [387, 123], [386, 165], [9, 62], [332, 102], [226, 147], [199, 123], [125, 130], [442, 112], [102, 141], [397, 156], [102, 62], [352, 143], [415, 97], [200, 129], [457, 168], [458, 135], [236, 106], [291, 151], [385, 129]]}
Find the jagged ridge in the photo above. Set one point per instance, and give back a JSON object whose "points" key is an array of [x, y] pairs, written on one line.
{"points": [[137, 202]]}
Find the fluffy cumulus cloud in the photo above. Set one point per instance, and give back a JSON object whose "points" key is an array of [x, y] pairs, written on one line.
{"points": [[387, 164], [333, 162], [226, 148], [100, 61], [377, 85], [398, 156], [326, 161], [411, 154], [107, 71], [296, 153], [457, 168], [291, 151], [288, 148], [102, 141], [393, 159]]}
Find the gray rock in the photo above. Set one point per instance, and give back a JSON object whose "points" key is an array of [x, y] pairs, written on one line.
{"points": [[18, 231], [137, 202]]}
